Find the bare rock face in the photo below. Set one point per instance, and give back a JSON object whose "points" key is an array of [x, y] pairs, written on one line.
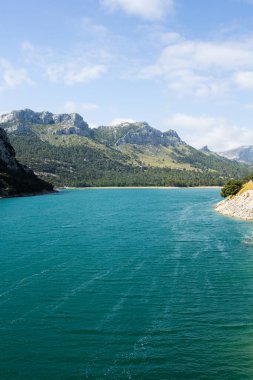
{"points": [[7, 153], [72, 124], [21, 121], [17, 179], [139, 133], [238, 206], [205, 149], [148, 135]]}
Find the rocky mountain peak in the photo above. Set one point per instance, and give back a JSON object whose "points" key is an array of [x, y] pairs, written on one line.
{"points": [[137, 133], [22, 120], [205, 149], [144, 134]]}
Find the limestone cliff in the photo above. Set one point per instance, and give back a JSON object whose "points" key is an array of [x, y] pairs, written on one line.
{"points": [[21, 121], [138, 133], [17, 179]]}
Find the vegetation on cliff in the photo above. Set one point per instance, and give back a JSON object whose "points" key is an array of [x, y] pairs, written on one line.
{"points": [[17, 179]]}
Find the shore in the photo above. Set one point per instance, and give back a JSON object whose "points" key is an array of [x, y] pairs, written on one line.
{"points": [[238, 206], [138, 187], [29, 194], [107, 187]]}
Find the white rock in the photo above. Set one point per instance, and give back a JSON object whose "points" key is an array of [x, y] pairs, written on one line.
{"points": [[239, 206]]}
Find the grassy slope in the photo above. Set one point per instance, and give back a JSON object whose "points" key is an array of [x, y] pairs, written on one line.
{"points": [[247, 186]]}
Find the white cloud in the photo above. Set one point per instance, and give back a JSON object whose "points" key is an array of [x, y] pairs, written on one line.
{"points": [[120, 120], [71, 107], [248, 106], [244, 79], [88, 26], [73, 74], [203, 67], [170, 37], [83, 74], [27, 46], [216, 132], [93, 124], [12, 77], [70, 68], [147, 9]]}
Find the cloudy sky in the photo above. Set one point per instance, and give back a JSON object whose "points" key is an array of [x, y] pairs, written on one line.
{"points": [[180, 64]]}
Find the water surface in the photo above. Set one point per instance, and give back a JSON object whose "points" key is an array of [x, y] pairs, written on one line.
{"points": [[124, 284]]}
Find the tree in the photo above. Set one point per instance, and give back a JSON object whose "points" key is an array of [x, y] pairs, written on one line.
{"points": [[232, 187]]}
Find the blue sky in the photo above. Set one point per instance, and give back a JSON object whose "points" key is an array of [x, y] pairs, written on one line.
{"points": [[180, 64]]}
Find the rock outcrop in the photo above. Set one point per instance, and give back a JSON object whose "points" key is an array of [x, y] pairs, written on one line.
{"points": [[238, 206], [139, 133], [17, 179], [205, 149], [22, 120], [148, 135], [7, 153]]}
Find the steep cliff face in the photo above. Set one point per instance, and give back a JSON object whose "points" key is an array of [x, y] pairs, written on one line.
{"points": [[7, 153], [17, 179]]}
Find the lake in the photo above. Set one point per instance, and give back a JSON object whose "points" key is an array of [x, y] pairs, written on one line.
{"points": [[146, 284]]}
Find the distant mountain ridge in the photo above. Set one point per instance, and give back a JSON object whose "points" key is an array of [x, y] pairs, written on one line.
{"points": [[241, 154], [64, 150]]}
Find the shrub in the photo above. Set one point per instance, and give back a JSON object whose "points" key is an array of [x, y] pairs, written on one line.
{"points": [[232, 187]]}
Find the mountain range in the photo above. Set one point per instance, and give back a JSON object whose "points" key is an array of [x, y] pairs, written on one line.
{"points": [[241, 154], [64, 150]]}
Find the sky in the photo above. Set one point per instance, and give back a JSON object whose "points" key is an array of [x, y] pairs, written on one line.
{"points": [[185, 65]]}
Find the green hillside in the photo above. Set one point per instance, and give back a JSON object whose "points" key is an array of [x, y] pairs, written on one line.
{"points": [[131, 154]]}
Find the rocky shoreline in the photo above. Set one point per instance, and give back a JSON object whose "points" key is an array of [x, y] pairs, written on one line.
{"points": [[21, 195], [238, 206]]}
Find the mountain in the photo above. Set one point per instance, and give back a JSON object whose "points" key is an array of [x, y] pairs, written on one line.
{"points": [[241, 154], [205, 149], [62, 124], [209, 152], [17, 179], [64, 150], [136, 133]]}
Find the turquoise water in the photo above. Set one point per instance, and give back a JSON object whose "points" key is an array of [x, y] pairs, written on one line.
{"points": [[124, 284]]}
